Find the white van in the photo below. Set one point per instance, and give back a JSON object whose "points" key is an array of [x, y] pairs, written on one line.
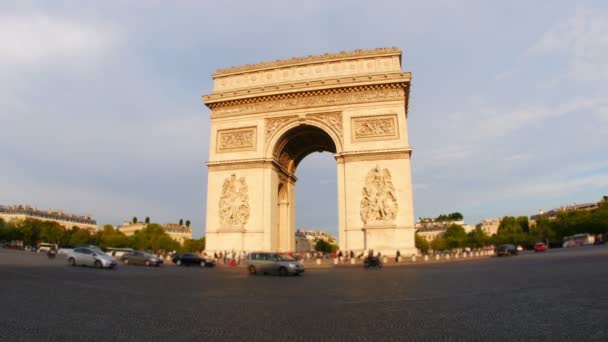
{"points": [[44, 247]]}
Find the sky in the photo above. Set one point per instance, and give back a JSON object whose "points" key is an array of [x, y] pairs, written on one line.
{"points": [[101, 111]]}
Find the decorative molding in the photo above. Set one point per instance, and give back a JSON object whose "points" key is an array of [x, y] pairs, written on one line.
{"points": [[273, 124], [239, 139], [332, 97], [307, 59], [374, 127], [333, 119], [234, 202], [379, 203]]}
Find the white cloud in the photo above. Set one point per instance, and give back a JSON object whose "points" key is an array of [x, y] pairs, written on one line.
{"points": [[584, 40], [27, 39]]}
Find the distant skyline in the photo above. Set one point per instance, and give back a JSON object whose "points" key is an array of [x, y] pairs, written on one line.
{"points": [[101, 111]]}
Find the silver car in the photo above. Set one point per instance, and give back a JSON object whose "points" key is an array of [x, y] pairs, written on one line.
{"points": [[90, 256], [273, 263]]}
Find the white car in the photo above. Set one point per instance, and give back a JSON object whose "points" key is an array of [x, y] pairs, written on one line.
{"points": [[89, 256]]}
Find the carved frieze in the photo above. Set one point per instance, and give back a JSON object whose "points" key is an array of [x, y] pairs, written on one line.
{"points": [[374, 127], [379, 202], [240, 139], [314, 100], [234, 202], [333, 119], [273, 124]]}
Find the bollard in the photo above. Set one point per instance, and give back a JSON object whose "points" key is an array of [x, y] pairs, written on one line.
{"points": [[447, 256], [413, 258], [399, 258], [465, 255], [426, 258], [335, 261], [437, 257], [456, 256], [352, 261], [385, 260], [318, 261]]}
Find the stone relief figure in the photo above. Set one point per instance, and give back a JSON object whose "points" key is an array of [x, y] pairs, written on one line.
{"points": [[379, 203], [234, 202]]}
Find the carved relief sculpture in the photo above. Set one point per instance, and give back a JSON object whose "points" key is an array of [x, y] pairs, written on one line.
{"points": [[274, 124], [236, 140], [379, 203], [334, 120], [234, 202], [378, 127]]}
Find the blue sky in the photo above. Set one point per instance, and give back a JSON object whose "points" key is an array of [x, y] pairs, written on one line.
{"points": [[101, 113]]}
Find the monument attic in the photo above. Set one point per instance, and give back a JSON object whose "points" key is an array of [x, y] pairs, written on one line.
{"points": [[267, 117]]}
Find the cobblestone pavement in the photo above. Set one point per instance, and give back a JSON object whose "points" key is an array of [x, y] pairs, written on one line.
{"points": [[559, 295]]}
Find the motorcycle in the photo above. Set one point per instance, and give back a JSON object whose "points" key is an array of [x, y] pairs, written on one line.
{"points": [[372, 261]]}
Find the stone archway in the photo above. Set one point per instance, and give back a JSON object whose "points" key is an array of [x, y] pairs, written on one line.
{"points": [[266, 118]]}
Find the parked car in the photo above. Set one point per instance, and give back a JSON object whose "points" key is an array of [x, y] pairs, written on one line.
{"points": [[540, 247], [44, 247], [192, 259], [506, 250], [273, 263], [140, 258], [89, 256]]}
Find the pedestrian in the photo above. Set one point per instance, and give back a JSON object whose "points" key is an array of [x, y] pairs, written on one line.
{"points": [[397, 256]]}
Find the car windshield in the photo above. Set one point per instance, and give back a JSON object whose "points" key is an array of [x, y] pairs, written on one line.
{"points": [[96, 250], [285, 257], [150, 255]]}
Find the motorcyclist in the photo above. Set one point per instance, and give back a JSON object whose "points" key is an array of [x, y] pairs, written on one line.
{"points": [[52, 252]]}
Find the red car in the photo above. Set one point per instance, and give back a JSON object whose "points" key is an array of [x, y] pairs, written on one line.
{"points": [[540, 247]]}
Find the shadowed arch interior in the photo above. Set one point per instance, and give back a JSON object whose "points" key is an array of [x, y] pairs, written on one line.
{"points": [[295, 144]]}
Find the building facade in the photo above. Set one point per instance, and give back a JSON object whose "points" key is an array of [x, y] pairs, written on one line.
{"points": [[175, 231], [489, 226], [67, 220]]}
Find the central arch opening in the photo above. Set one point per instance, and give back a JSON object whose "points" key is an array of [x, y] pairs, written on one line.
{"points": [[290, 149]]}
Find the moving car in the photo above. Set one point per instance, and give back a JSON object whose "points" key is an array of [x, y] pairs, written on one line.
{"points": [[89, 256], [192, 259], [116, 253], [273, 263], [140, 258], [44, 247], [506, 250], [540, 247]]}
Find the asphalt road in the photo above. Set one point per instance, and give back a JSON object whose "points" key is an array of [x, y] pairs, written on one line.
{"points": [[560, 295]]}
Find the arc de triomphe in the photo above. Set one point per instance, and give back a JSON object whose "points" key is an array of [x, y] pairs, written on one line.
{"points": [[266, 117]]}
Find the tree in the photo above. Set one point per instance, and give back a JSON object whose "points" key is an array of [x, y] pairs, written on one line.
{"points": [[455, 236], [188, 223], [134, 219], [422, 244], [181, 222], [147, 220], [477, 238], [439, 244], [325, 247], [194, 245]]}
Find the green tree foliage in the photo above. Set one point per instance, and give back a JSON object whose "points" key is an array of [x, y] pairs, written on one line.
{"points": [[134, 219], [153, 237], [181, 222], [197, 245], [439, 244], [147, 220], [110, 237], [422, 244], [511, 231], [455, 236], [326, 247], [187, 223], [477, 238]]}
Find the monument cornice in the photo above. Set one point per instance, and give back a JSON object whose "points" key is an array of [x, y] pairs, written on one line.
{"points": [[216, 99], [311, 59], [391, 90]]}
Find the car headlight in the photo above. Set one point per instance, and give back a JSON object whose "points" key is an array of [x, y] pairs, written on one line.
{"points": [[292, 265]]}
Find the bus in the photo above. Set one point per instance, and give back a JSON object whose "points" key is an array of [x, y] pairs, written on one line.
{"points": [[578, 240]]}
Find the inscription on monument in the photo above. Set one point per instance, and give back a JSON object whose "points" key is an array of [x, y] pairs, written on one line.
{"points": [[234, 202], [379, 203], [374, 127], [240, 139]]}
